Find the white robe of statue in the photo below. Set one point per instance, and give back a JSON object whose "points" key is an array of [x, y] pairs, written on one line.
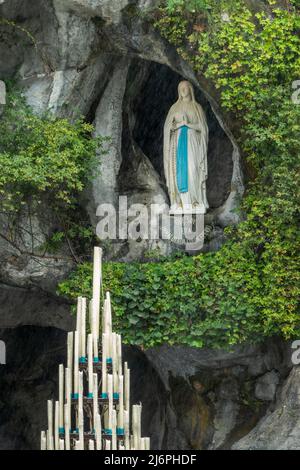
{"points": [[188, 113]]}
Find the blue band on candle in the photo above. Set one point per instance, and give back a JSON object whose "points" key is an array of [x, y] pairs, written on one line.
{"points": [[75, 396], [120, 431], [82, 360], [108, 432], [61, 430], [76, 431], [90, 395], [116, 396], [104, 395], [96, 359], [109, 360]]}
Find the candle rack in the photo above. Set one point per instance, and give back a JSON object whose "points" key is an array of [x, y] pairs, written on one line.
{"points": [[93, 409]]}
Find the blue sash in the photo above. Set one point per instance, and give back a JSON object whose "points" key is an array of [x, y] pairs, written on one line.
{"points": [[182, 160]]}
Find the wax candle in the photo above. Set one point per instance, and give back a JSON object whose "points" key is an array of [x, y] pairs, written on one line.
{"points": [[139, 420], [79, 324], [121, 403], [61, 444], [50, 420], [127, 387], [147, 443], [98, 432], [76, 362], [110, 399], [95, 398], [67, 426], [91, 444], [96, 285], [104, 310], [104, 366], [70, 352], [61, 395], [68, 394], [126, 429], [91, 315], [83, 328], [80, 410], [114, 362], [90, 363], [43, 441], [107, 445], [114, 431], [56, 428], [50, 445]]}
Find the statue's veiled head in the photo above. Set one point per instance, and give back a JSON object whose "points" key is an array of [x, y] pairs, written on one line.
{"points": [[185, 91]]}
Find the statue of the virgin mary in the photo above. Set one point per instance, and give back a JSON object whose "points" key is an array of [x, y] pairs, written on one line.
{"points": [[185, 153]]}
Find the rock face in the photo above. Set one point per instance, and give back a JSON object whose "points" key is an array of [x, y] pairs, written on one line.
{"points": [[279, 429], [192, 399], [101, 59]]}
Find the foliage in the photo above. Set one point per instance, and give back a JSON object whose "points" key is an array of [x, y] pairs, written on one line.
{"points": [[250, 288], [44, 159]]}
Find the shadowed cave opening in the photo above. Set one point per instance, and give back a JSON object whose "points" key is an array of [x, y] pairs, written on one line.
{"points": [[30, 378], [151, 91]]}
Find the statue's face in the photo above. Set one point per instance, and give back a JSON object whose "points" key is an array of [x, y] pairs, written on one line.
{"points": [[184, 90]]}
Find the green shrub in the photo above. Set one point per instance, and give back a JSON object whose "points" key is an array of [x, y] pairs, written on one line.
{"points": [[44, 160]]}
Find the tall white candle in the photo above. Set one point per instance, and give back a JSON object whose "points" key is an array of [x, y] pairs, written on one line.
{"points": [[127, 387], [50, 444], [110, 399], [91, 444], [104, 309], [61, 444], [56, 424], [90, 363], [67, 426], [97, 266], [142, 444], [114, 362], [95, 333], [80, 410], [50, 420], [114, 431], [107, 445], [83, 327], [108, 314], [104, 367], [139, 420], [61, 395], [79, 324], [76, 361], [91, 315], [68, 395], [98, 431], [70, 352], [95, 398], [127, 430], [43, 441], [121, 403], [147, 443]]}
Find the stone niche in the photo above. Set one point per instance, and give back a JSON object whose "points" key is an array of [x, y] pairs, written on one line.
{"points": [[149, 107], [150, 91]]}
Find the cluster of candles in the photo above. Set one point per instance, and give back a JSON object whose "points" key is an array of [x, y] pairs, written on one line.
{"points": [[93, 407]]}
